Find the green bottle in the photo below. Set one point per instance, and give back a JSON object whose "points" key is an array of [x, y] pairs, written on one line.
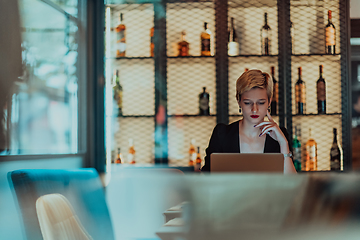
{"points": [[296, 144]]}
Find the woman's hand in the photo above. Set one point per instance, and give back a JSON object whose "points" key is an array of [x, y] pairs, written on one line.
{"points": [[273, 129], [275, 132]]}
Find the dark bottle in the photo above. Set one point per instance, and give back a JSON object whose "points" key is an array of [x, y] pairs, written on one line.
{"points": [[118, 91], [321, 92], [329, 36], [118, 159], [275, 97], [265, 34], [296, 144], [300, 94], [335, 154], [197, 166], [152, 44], [204, 108]]}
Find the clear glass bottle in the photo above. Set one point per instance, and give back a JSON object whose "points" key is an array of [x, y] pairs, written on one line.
{"points": [[131, 152], [233, 43], [265, 34], [197, 166], [192, 153], [311, 154], [120, 37]]}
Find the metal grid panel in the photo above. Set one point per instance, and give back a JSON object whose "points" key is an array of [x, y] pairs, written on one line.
{"points": [[138, 19], [186, 78], [237, 66], [189, 17], [137, 80], [322, 132], [141, 130], [182, 130], [309, 19], [249, 19]]}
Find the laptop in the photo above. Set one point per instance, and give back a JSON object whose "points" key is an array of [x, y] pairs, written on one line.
{"points": [[247, 162]]}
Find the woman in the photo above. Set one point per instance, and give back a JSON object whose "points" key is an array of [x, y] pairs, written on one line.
{"points": [[252, 134]]}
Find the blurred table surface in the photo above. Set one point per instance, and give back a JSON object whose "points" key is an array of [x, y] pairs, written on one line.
{"points": [[229, 205]]}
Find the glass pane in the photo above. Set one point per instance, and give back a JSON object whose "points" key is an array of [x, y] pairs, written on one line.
{"points": [[69, 6], [42, 113]]}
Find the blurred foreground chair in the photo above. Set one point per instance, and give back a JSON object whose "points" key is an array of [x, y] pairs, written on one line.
{"points": [[58, 220], [81, 187]]}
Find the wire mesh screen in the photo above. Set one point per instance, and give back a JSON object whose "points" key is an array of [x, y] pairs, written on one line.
{"points": [[189, 68], [309, 20], [248, 22], [137, 80], [138, 131], [186, 77], [189, 17], [185, 81], [186, 130], [138, 20], [315, 35], [129, 55]]}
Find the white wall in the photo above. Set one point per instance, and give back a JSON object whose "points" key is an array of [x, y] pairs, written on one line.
{"points": [[354, 8]]}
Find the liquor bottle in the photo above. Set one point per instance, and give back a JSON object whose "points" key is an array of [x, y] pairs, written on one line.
{"points": [[296, 144], [275, 98], [204, 108], [335, 154], [131, 152], [265, 34], [205, 41], [120, 38], [329, 36], [300, 94], [197, 166], [192, 153], [233, 44], [183, 46], [118, 91], [152, 45], [311, 154], [118, 159], [321, 92]]}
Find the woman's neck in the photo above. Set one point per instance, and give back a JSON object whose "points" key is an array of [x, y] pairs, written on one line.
{"points": [[248, 129]]}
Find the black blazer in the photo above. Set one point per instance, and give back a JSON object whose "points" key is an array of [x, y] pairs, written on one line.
{"points": [[225, 139]]}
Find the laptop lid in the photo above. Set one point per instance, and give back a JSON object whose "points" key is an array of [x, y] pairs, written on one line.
{"points": [[247, 162]]}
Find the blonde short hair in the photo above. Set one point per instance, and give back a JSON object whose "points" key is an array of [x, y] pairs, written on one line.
{"points": [[254, 79]]}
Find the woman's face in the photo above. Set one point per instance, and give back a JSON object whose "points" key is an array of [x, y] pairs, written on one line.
{"points": [[254, 104]]}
